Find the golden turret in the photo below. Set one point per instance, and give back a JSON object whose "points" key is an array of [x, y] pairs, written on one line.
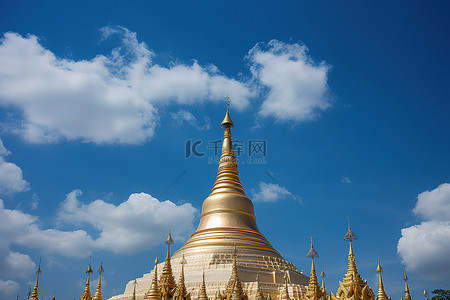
{"points": [[181, 292], [234, 283], [381, 293], [35, 295], [202, 294], [407, 294], [98, 290], [227, 217], [167, 282], [154, 292], [353, 285], [314, 291], [87, 291]]}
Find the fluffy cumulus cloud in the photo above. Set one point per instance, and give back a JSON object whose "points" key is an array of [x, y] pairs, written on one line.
{"points": [[270, 192], [425, 248], [8, 289], [11, 177], [115, 98], [295, 87], [139, 223], [103, 100]]}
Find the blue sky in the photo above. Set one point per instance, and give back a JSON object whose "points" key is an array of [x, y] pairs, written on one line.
{"points": [[98, 100]]}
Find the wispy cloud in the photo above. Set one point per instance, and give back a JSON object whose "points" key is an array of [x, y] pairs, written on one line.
{"points": [[271, 192], [345, 179]]}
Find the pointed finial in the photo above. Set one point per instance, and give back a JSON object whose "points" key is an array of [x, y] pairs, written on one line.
{"points": [[156, 260], [312, 252], [227, 123], [425, 294], [379, 268], [183, 260], [405, 278], [101, 270], [350, 236], [38, 271], [169, 239], [323, 274], [89, 270]]}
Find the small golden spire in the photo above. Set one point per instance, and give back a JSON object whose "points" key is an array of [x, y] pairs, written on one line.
{"points": [[314, 292], [425, 294], [202, 293], [87, 291], [167, 282], [54, 298], [34, 295], [98, 291], [154, 292], [323, 281], [405, 278], [381, 292], [181, 292], [234, 283]]}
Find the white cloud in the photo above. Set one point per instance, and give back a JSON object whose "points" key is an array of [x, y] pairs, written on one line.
{"points": [[270, 192], [106, 99], [346, 179], [8, 288], [183, 116], [425, 248], [297, 86], [115, 98], [139, 223], [34, 201], [23, 229], [435, 204], [11, 177], [15, 264]]}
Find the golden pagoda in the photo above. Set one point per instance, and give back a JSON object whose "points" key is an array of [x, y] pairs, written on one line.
{"points": [[407, 294], [98, 290], [34, 295], [381, 295], [227, 226], [87, 291], [353, 286], [314, 290]]}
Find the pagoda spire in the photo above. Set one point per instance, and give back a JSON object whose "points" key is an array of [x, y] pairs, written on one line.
{"points": [[314, 291], [228, 215], [202, 293], [35, 295], [29, 293], [381, 293], [353, 286], [167, 282], [322, 275], [181, 293], [405, 278], [154, 291], [285, 295], [425, 294], [87, 291], [98, 291], [234, 283]]}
